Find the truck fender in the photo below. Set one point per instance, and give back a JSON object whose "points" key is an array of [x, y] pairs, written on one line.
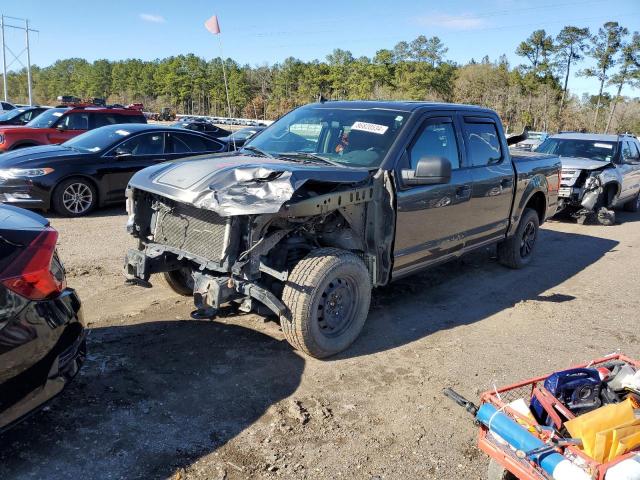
{"points": [[534, 195]]}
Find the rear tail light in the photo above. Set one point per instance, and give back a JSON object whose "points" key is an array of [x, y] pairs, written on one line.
{"points": [[36, 273]]}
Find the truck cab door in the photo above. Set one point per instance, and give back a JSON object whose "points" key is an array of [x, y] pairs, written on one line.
{"points": [[493, 178], [432, 220]]}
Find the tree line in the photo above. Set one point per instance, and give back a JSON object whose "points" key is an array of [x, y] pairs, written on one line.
{"points": [[535, 92]]}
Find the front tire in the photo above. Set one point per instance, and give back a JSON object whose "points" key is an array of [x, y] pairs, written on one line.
{"points": [[75, 197], [180, 281], [516, 252], [327, 296]]}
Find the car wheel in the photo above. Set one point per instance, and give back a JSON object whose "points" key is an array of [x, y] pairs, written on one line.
{"points": [[633, 205], [517, 251], [180, 281], [498, 472], [327, 296], [75, 197]]}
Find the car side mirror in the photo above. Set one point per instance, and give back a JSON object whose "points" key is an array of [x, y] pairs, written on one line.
{"points": [[61, 127], [122, 153], [429, 171]]}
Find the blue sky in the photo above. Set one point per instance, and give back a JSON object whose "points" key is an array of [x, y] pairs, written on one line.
{"points": [[263, 31]]}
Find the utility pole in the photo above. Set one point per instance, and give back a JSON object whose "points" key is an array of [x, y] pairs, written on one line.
{"points": [[16, 58], [26, 31], [4, 61]]}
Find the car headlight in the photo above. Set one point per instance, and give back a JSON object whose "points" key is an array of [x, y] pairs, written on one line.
{"points": [[592, 183], [1, 138], [24, 172]]}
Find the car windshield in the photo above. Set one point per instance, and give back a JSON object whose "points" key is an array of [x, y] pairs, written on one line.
{"points": [[47, 118], [358, 137], [569, 147], [99, 139], [11, 114]]}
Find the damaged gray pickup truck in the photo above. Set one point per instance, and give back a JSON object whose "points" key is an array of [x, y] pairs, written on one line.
{"points": [[599, 173], [330, 201]]}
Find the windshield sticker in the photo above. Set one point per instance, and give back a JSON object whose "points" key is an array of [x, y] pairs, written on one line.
{"points": [[370, 127], [603, 145], [57, 114], [124, 133]]}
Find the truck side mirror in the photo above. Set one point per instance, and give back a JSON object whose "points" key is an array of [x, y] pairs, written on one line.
{"points": [[429, 171]]}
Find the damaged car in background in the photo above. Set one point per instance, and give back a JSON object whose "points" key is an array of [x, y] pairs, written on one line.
{"points": [[599, 173], [331, 201]]}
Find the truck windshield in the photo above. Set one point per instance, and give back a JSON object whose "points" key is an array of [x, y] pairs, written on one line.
{"points": [[47, 118], [357, 137], [569, 147]]}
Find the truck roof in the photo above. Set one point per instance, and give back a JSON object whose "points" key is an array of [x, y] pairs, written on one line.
{"points": [[598, 137], [403, 105]]}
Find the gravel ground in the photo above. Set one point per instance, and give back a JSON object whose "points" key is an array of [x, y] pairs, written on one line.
{"points": [[162, 396]]}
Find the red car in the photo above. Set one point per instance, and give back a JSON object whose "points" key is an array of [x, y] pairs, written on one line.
{"points": [[59, 124]]}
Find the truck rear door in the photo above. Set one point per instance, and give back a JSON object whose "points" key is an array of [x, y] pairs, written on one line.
{"points": [[493, 177], [432, 220]]}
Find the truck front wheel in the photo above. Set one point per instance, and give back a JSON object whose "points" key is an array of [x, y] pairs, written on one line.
{"points": [[180, 281], [517, 251], [327, 296]]}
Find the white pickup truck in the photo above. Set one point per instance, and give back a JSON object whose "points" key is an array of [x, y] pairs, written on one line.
{"points": [[599, 173]]}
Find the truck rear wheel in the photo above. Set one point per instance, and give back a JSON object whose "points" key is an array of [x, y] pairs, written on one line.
{"points": [[327, 297], [517, 251], [180, 281]]}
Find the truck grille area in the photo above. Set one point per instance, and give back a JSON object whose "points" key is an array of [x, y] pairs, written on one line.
{"points": [[192, 230]]}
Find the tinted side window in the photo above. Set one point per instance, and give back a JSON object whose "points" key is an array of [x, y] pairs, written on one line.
{"points": [[176, 145], [213, 146], [629, 151], [133, 119], [76, 121], [483, 143], [100, 120], [635, 152], [438, 139], [145, 144], [194, 142]]}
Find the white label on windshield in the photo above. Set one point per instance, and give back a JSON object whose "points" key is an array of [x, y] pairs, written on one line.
{"points": [[370, 127], [124, 133], [57, 114], [94, 149], [603, 145]]}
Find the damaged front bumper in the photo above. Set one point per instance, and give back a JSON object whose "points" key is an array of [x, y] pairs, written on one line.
{"points": [[211, 292], [585, 198]]}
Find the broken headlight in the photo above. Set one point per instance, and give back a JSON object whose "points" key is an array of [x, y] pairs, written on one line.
{"points": [[592, 183]]}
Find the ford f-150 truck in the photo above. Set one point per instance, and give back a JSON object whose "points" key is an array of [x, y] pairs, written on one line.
{"points": [[599, 173], [330, 201]]}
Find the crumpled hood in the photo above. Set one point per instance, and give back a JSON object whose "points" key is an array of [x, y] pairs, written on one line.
{"points": [[581, 163], [239, 184], [35, 157]]}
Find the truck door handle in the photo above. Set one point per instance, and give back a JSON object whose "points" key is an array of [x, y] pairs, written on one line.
{"points": [[463, 191], [506, 182]]}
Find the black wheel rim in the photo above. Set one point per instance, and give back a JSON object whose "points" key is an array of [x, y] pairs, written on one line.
{"points": [[528, 239], [337, 307]]}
